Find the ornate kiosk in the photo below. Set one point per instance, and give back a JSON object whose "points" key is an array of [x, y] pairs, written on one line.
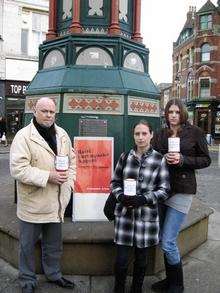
{"points": [[95, 67]]}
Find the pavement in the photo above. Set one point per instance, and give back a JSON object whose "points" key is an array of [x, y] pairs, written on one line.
{"points": [[201, 271], [201, 268]]}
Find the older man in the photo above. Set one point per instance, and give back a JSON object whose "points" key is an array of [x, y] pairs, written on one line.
{"points": [[42, 162]]}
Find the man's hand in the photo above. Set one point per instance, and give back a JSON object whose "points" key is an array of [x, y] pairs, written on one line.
{"points": [[173, 158], [58, 177]]}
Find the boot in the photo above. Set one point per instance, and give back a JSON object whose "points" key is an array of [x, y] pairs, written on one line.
{"points": [[120, 279], [175, 275], [162, 285], [138, 279]]}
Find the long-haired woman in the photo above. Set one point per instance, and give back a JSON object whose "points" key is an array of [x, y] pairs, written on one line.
{"points": [[188, 151]]}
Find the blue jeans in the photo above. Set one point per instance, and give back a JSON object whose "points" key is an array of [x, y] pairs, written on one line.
{"points": [[170, 224]]}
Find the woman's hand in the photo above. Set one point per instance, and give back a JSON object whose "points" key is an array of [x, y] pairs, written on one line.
{"points": [[173, 158]]}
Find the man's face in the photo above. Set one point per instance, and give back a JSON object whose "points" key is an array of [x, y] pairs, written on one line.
{"points": [[45, 112]]}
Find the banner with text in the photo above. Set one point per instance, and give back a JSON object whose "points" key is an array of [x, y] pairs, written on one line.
{"points": [[94, 167]]}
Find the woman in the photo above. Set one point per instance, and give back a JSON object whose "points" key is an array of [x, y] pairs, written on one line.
{"points": [[136, 217], [193, 155]]}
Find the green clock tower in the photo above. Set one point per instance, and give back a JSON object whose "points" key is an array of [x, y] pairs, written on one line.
{"points": [[95, 67]]}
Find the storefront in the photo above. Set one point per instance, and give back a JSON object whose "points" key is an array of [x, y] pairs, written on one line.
{"points": [[206, 115], [14, 103]]}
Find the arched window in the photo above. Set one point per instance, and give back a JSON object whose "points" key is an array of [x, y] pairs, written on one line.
{"points": [[94, 56], [133, 61], [205, 52], [54, 59]]}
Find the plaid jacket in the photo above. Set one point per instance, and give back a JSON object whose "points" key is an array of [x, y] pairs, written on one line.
{"points": [[140, 227]]}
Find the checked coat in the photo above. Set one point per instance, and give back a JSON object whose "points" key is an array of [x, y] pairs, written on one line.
{"points": [[140, 226]]}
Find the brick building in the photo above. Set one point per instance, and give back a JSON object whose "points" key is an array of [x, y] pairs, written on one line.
{"points": [[23, 26], [196, 67]]}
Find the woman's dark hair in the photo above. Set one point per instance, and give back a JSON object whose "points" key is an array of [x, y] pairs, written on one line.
{"points": [[144, 122], [182, 108]]}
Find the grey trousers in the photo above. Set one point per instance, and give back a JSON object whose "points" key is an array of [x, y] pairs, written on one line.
{"points": [[51, 247]]}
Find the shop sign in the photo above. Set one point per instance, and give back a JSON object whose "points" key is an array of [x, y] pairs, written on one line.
{"points": [[15, 88]]}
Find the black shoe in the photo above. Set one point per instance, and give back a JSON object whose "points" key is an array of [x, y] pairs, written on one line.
{"points": [[160, 286], [62, 282], [28, 289]]}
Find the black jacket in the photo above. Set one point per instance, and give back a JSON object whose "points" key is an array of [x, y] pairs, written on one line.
{"points": [[193, 147]]}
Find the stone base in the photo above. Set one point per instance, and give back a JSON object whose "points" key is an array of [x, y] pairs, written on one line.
{"points": [[88, 246]]}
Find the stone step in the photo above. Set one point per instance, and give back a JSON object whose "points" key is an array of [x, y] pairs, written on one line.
{"points": [[88, 246]]}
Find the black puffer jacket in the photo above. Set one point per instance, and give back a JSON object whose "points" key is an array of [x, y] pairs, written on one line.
{"points": [[193, 147]]}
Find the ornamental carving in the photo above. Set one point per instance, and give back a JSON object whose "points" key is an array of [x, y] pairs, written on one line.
{"points": [[123, 10], [145, 107], [67, 9], [104, 104], [96, 7], [31, 101]]}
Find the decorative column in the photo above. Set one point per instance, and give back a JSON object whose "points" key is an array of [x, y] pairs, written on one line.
{"points": [[114, 28], [52, 20], [76, 27], [137, 22]]}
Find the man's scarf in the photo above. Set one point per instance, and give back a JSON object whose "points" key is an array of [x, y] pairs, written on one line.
{"points": [[48, 133]]}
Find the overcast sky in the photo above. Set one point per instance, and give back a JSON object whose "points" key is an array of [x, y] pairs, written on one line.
{"points": [[162, 21]]}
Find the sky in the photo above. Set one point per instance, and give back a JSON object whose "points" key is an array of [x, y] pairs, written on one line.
{"points": [[161, 24]]}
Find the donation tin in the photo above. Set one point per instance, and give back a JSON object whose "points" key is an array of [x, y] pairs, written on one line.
{"points": [[130, 186], [173, 144], [62, 163]]}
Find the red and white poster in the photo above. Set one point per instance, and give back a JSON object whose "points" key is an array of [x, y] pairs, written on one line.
{"points": [[94, 167]]}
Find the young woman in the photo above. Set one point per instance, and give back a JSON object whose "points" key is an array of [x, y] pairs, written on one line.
{"points": [[136, 217], [193, 155]]}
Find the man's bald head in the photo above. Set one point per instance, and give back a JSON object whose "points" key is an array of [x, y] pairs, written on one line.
{"points": [[44, 101], [44, 112]]}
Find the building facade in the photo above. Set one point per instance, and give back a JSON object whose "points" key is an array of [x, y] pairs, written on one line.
{"points": [[23, 26], [196, 67]]}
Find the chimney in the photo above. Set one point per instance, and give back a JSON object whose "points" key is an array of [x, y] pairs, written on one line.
{"points": [[191, 12]]}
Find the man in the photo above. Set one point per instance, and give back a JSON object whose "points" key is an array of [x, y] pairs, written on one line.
{"points": [[43, 193]]}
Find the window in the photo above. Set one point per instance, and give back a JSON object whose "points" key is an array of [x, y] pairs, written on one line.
{"points": [[179, 63], [191, 56], [54, 59], [204, 87], [206, 22], [39, 29], [24, 41], [33, 31], [189, 88], [133, 61], [205, 52], [94, 56]]}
